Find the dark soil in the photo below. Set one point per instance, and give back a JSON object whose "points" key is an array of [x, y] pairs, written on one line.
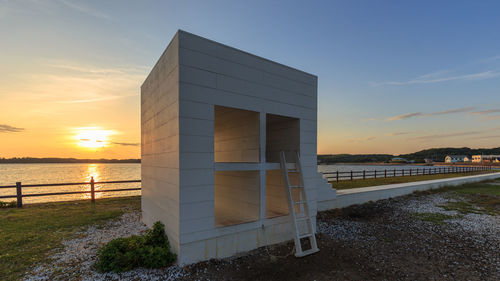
{"points": [[391, 245]]}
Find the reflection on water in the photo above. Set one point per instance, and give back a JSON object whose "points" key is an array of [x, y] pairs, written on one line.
{"points": [[92, 173], [66, 173]]}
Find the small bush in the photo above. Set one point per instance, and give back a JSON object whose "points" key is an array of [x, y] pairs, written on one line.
{"points": [[151, 250], [11, 204]]}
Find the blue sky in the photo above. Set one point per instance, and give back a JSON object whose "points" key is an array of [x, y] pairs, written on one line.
{"points": [[394, 76]]}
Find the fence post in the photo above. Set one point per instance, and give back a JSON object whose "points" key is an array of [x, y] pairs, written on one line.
{"points": [[337, 176], [19, 194], [364, 175], [403, 172], [92, 190], [351, 174], [385, 173]]}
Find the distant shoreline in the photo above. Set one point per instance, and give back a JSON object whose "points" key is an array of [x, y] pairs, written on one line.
{"points": [[29, 160]]}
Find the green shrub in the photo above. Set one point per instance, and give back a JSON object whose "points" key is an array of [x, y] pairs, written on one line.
{"points": [[11, 204], [151, 250]]}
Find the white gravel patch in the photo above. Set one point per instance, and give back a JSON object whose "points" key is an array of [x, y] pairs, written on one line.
{"points": [[342, 229], [428, 204], [76, 259], [478, 225]]}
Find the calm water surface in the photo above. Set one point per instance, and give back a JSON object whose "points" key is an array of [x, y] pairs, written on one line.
{"points": [[60, 173]]}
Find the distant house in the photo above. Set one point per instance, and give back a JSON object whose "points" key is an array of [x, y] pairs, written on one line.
{"points": [[399, 160], [485, 158], [428, 161], [456, 158]]}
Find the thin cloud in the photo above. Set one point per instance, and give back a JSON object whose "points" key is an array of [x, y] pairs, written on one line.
{"points": [[484, 112], [126, 143], [397, 134], [451, 111], [83, 83], [95, 99], [486, 137], [94, 70], [85, 9], [10, 129], [431, 78], [472, 134], [421, 114], [364, 139], [405, 116], [449, 135]]}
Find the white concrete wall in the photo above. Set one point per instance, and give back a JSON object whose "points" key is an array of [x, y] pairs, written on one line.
{"points": [[182, 139], [160, 144], [362, 195], [212, 74]]}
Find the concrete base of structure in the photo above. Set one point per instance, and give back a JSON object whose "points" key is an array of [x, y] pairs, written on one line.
{"points": [[362, 195], [237, 242]]}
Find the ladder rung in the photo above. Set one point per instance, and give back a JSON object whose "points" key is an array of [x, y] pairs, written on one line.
{"points": [[303, 213], [305, 236]]}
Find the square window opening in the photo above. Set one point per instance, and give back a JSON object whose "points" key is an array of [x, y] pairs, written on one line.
{"points": [[282, 134], [277, 195], [237, 197], [236, 135]]}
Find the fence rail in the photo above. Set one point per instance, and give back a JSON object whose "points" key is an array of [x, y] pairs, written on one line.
{"points": [[19, 189], [373, 174]]}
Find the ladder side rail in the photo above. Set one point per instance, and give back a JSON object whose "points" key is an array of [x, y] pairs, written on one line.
{"points": [[291, 206], [313, 241]]}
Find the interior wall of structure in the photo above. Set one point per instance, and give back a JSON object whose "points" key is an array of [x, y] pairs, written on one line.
{"points": [[276, 200], [160, 144], [237, 197], [236, 135], [282, 134]]}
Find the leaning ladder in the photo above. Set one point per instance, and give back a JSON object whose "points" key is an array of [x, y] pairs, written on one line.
{"points": [[303, 214]]}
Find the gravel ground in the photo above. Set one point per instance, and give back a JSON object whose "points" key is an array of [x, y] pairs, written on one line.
{"points": [[76, 260], [375, 241]]}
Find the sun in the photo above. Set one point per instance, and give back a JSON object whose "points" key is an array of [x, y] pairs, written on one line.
{"points": [[92, 137]]}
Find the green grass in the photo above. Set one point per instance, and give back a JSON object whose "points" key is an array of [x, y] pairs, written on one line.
{"points": [[347, 184], [27, 235], [477, 198], [436, 218]]}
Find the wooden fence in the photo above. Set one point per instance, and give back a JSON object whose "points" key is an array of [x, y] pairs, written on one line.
{"points": [[19, 189], [373, 174]]}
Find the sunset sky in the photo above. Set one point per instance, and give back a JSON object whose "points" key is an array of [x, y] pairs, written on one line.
{"points": [[393, 77]]}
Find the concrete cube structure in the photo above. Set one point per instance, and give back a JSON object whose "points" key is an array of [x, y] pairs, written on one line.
{"points": [[214, 120]]}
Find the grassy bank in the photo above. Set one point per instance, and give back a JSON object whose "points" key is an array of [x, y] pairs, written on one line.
{"points": [[28, 234], [475, 198], [393, 180]]}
